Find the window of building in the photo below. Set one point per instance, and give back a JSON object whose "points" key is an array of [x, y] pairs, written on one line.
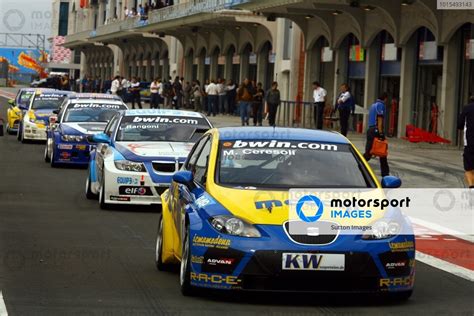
{"points": [[63, 18], [288, 36]]}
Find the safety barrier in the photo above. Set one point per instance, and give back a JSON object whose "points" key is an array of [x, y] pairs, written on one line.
{"points": [[296, 114]]}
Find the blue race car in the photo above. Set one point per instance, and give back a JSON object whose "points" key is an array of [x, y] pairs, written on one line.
{"points": [[226, 218], [139, 152], [78, 117]]}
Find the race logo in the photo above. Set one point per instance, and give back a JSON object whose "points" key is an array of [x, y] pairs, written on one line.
{"points": [[211, 242], [140, 191], [313, 261]]}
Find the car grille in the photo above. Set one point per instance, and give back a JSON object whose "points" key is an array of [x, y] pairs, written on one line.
{"points": [[165, 166], [321, 239]]}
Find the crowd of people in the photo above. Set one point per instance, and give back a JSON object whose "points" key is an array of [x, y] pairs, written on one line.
{"points": [[249, 100], [142, 11]]}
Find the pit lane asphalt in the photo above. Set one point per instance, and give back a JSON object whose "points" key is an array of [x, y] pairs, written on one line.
{"points": [[60, 254]]}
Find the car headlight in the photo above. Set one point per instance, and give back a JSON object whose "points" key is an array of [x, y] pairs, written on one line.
{"points": [[382, 230], [127, 165], [234, 226], [72, 138]]}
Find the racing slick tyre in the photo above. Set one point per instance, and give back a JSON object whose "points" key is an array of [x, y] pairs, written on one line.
{"points": [[102, 204], [46, 154], [185, 269], [18, 133], [159, 248], [51, 160], [89, 194]]}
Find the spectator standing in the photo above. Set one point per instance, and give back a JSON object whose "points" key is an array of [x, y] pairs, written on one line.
{"points": [[257, 105], [376, 129], [212, 92], [135, 93], [178, 93], [126, 13], [197, 95], [187, 94], [205, 99], [466, 123], [231, 95], [167, 93], [155, 94], [65, 84], [319, 96], [222, 95], [345, 105], [273, 100], [245, 98], [115, 87]]}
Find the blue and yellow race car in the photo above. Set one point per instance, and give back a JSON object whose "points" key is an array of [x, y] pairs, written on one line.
{"points": [[79, 117], [225, 218], [18, 106]]}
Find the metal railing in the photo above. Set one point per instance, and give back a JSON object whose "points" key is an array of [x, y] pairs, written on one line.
{"points": [[296, 114]]}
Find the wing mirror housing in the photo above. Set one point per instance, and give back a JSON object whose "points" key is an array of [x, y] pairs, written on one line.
{"points": [[100, 138], [391, 182], [184, 177]]}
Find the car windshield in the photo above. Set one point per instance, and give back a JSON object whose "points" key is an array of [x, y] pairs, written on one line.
{"points": [[25, 96], [151, 128], [91, 112], [47, 102], [290, 164]]}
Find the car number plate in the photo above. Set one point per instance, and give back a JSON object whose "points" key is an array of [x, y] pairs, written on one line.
{"points": [[313, 261]]}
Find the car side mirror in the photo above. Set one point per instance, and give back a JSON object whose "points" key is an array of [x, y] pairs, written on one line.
{"points": [[56, 112], [184, 177], [11, 102], [100, 138], [391, 182]]}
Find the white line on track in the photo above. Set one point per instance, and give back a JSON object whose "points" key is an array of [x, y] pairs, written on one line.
{"points": [[445, 266], [3, 308], [442, 229]]}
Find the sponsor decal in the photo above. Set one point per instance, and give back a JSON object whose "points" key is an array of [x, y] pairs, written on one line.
{"points": [[283, 144], [120, 198], [64, 146], [227, 144], [127, 180], [313, 261], [394, 265], [197, 259], [211, 242], [152, 122], [202, 201], [402, 246], [215, 278], [65, 155], [81, 147], [96, 106], [220, 261], [388, 282], [140, 191], [232, 154]]}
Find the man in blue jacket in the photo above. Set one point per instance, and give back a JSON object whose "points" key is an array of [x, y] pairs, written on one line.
{"points": [[345, 105], [376, 129]]}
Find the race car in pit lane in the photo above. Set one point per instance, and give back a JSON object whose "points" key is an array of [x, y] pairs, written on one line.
{"points": [[78, 118], [18, 106], [139, 152], [225, 218], [40, 109]]}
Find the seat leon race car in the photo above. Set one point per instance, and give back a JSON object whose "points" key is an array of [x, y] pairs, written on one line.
{"points": [[40, 109], [77, 119], [225, 218], [139, 152], [18, 106]]}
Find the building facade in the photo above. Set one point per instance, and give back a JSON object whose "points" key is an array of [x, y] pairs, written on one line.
{"points": [[421, 56]]}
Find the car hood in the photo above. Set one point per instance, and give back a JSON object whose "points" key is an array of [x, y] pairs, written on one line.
{"points": [[82, 128], [146, 151]]}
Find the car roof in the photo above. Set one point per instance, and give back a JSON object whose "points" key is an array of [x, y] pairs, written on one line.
{"points": [[280, 133], [103, 96], [163, 112]]}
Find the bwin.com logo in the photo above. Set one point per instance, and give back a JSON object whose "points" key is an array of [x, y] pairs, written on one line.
{"points": [[309, 208]]}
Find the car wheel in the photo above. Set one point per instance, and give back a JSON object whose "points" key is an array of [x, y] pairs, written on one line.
{"points": [[51, 160], [159, 248], [46, 154], [18, 133], [185, 269], [89, 194], [102, 203]]}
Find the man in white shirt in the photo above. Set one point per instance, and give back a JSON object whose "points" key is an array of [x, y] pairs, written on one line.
{"points": [[319, 96], [115, 86], [222, 95], [212, 91], [156, 90]]}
